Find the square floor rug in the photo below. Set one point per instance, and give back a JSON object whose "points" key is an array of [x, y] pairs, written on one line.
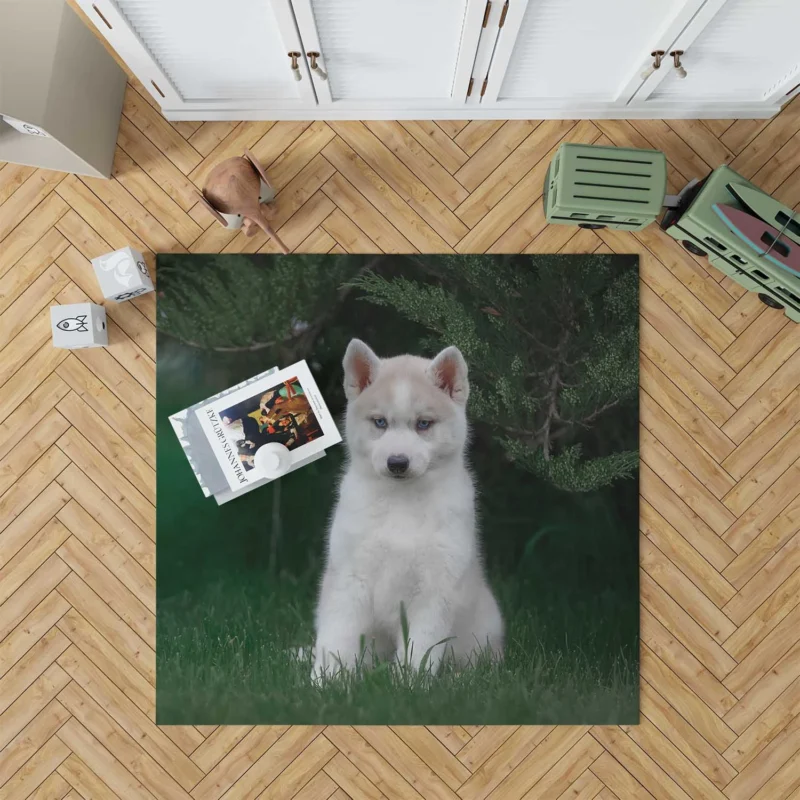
{"points": [[468, 554]]}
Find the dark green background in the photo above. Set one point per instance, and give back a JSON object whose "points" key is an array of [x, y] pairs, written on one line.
{"points": [[236, 584]]}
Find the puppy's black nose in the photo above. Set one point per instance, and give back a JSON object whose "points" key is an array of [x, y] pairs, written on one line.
{"points": [[397, 464]]}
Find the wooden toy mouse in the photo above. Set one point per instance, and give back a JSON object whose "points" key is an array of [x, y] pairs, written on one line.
{"points": [[234, 192]]}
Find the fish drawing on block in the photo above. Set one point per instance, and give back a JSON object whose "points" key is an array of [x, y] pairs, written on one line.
{"points": [[763, 238], [77, 324]]}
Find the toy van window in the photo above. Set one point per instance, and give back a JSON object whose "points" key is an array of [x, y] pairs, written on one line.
{"points": [[759, 274], [789, 294], [779, 247], [737, 259], [791, 225], [714, 243]]}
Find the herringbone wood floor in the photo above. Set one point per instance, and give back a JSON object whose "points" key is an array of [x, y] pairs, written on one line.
{"points": [[720, 486]]}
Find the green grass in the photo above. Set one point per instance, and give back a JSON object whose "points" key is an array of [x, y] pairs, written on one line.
{"points": [[231, 657]]}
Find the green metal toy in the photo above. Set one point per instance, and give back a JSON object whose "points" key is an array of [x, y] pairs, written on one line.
{"points": [[598, 187], [605, 187], [702, 231]]}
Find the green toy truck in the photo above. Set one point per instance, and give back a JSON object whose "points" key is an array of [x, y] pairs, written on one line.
{"points": [[700, 230], [598, 187]]}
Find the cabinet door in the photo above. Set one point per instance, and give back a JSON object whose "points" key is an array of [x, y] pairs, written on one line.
{"points": [[747, 51], [207, 54], [388, 54], [562, 53]]}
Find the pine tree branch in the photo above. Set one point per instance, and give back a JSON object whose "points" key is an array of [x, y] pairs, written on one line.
{"points": [[584, 421], [246, 348]]}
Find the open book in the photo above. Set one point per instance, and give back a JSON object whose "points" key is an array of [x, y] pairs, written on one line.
{"points": [[222, 435]]}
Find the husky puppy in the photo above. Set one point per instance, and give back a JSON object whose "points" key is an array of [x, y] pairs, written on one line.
{"points": [[404, 529]]}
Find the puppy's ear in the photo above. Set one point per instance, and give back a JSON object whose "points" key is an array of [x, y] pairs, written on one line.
{"points": [[449, 372], [360, 368]]}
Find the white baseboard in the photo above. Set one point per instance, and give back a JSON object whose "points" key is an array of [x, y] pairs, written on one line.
{"points": [[716, 111]]}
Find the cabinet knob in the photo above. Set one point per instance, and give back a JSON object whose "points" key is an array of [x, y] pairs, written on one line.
{"points": [[657, 56], [315, 68], [295, 66], [676, 57]]}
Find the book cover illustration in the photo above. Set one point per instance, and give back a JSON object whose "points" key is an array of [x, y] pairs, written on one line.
{"points": [[283, 407]]}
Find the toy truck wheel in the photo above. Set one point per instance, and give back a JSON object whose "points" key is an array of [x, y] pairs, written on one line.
{"points": [[693, 248], [769, 301], [592, 226]]}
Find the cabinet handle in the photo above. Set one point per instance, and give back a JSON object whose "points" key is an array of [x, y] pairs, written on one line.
{"points": [[317, 70], [294, 55], [657, 56], [676, 57], [100, 14]]}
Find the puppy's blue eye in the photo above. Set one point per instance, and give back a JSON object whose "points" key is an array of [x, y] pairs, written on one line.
{"points": [[423, 424], [380, 422]]}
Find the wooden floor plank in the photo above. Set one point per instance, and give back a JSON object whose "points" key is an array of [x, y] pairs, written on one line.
{"points": [[688, 741], [31, 593], [99, 542], [31, 629], [437, 143], [384, 198], [93, 770], [397, 175], [130, 718], [12, 176], [429, 171], [124, 640], [672, 666], [112, 591], [119, 743], [159, 131]]}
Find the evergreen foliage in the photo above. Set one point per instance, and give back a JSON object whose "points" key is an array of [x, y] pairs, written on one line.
{"points": [[551, 341], [252, 302], [552, 347]]}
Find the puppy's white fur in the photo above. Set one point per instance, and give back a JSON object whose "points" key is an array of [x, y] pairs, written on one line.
{"points": [[409, 539]]}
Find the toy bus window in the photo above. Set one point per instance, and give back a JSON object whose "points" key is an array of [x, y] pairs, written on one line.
{"points": [[737, 259], [791, 225], [605, 216], [759, 274], [781, 248], [556, 165], [576, 214], [714, 243], [555, 194], [634, 220], [788, 294]]}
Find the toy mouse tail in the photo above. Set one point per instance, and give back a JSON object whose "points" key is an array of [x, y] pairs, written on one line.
{"points": [[268, 229]]}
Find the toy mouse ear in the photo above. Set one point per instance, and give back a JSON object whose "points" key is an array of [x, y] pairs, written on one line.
{"points": [[257, 167], [213, 211]]}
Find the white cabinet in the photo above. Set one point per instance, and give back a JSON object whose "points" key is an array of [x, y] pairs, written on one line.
{"points": [[746, 51], [568, 52], [209, 55], [415, 53], [339, 59], [715, 58]]}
